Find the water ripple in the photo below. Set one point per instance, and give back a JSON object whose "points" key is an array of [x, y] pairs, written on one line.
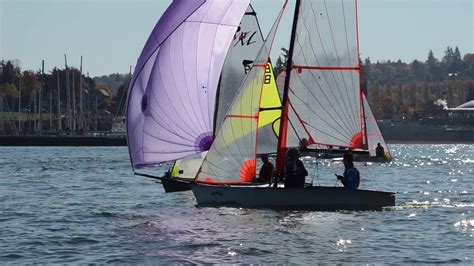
{"points": [[82, 205]]}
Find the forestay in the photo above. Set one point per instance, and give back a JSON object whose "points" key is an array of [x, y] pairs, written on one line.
{"points": [[170, 107]]}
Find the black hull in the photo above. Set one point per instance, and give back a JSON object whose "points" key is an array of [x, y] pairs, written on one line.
{"points": [[309, 198], [175, 184]]}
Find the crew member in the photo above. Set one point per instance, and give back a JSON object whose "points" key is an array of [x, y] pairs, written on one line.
{"points": [[266, 172], [351, 177], [294, 171], [379, 151]]}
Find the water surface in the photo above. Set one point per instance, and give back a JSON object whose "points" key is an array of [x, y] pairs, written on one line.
{"points": [[83, 205]]}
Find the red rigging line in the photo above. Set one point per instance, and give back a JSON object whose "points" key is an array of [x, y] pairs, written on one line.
{"points": [[284, 111], [362, 114], [242, 116], [299, 68], [303, 123], [261, 88]]}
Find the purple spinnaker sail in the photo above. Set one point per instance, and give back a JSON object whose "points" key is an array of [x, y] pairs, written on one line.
{"points": [[171, 97]]}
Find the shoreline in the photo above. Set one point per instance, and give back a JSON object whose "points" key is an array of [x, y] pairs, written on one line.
{"points": [[120, 140], [427, 142]]}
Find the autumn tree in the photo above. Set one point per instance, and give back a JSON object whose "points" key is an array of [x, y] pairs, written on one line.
{"points": [[281, 62]]}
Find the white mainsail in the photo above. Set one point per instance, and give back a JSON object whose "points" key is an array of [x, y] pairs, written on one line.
{"points": [[324, 91]]}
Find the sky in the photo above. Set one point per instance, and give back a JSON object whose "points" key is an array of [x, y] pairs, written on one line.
{"points": [[110, 34]]}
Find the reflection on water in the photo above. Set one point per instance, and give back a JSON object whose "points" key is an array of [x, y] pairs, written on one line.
{"points": [[83, 205]]}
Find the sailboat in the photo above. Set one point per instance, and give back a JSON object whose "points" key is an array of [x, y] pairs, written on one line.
{"points": [[322, 105], [365, 152], [183, 94]]}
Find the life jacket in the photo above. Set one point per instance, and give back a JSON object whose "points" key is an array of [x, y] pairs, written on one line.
{"points": [[294, 176], [353, 178]]}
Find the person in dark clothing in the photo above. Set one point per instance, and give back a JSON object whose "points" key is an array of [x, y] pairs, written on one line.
{"points": [[294, 171], [379, 151], [266, 172], [351, 177]]}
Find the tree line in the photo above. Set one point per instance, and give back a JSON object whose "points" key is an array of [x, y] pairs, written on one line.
{"points": [[413, 90], [420, 88], [394, 89], [81, 103]]}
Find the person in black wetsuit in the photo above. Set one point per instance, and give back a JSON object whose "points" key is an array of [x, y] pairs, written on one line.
{"points": [[294, 171], [379, 151], [266, 172]]}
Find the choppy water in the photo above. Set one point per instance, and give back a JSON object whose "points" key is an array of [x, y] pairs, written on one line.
{"points": [[83, 205]]}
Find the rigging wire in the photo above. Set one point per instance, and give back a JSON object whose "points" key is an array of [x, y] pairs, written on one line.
{"points": [[335, 173]]}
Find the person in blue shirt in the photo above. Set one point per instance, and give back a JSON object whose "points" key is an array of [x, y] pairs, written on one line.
{"points": [[351, 177]]}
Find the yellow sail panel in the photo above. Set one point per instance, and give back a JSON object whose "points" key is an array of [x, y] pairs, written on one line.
{"points": [[268, 117], [270, 99], [270, 105], [270, 96]]}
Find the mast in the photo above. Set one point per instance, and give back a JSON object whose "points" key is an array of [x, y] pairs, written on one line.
{"points": [[59, 103], [51, 105], [95, 112], [359, 67], [118, 112], [19, 105], [216, 106], [40, 94], [35, 112], [81, 116], [88, 104], [1, 117], [73, 90], [280, 162], [68, 97]]}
